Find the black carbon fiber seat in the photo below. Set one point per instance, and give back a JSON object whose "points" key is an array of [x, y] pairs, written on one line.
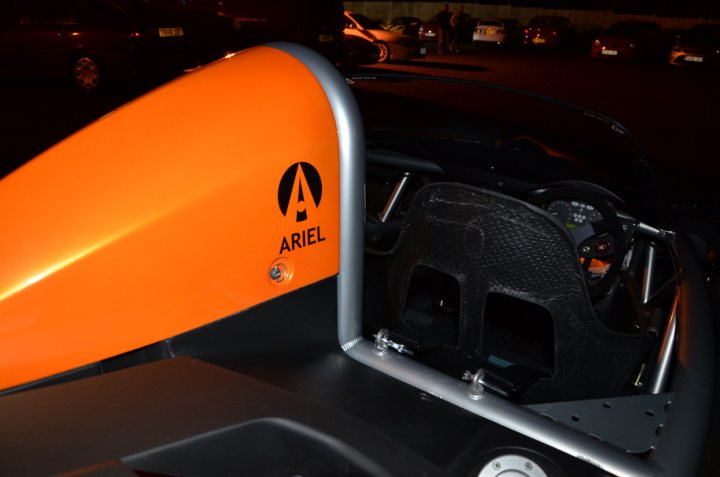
{"points": [[492, 244]]}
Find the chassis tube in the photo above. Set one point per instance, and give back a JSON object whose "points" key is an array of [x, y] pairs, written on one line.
{"points": [[649, 272], [682, 440], [681, 443], [667, 351]]}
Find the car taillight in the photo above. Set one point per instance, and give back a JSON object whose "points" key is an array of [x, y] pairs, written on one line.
{"points": [[554, 33], [135, 34], [527, 31]]}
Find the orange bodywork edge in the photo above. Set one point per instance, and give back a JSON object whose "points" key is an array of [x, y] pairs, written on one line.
{"points": [[207, 196]]}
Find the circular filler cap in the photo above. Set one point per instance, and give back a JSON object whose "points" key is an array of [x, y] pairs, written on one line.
{"points": [[281, 271], [512, 465]]}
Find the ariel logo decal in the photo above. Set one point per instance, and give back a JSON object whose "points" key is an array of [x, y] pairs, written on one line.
{"points": [[300, 189], [299, 195]]}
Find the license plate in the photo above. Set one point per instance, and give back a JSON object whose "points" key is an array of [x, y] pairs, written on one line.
{"points": [[423, 51], [165, 32], [694, 59], [326, 38], [538, 40], [610, 52], [430, 34]]}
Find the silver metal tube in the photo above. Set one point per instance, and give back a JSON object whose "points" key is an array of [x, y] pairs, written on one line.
{"points": [[351, 143], [661, 373], [395, 197], [656, 233], [502, 412], [648, 272]]}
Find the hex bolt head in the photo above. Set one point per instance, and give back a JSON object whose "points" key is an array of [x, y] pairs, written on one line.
{"points": [[278, 272]]}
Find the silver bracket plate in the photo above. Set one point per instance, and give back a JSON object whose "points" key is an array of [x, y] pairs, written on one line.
{"points": [[643, 418]]}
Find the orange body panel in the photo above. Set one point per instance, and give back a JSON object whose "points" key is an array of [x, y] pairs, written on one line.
{"points": [[165, 215]]}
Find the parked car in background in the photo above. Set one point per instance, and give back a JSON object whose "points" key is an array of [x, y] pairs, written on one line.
{"points": [[466, 26], [392, 46], [498, 31], [549, 32], [358, 51], [698, 46], [317, 24], [106, 41], [628, 40], [405, 25]]}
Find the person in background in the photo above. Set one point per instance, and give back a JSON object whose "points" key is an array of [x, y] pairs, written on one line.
{"points": [[443, 23], [455, 25]]}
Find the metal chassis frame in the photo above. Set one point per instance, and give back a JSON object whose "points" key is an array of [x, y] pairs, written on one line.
{"points": [[681, 443]]}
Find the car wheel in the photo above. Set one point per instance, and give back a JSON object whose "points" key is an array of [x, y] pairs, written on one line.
{"points": [[384, 52], [86, 73]]}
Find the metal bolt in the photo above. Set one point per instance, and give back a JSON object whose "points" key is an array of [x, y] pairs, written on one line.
{"points": [[586, 249], [528, 466], [476, 389], [496, 465], [278, 273], [381, 341]]}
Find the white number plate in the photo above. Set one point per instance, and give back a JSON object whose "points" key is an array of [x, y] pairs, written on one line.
{"points": [[610, 52], [694, 59]]}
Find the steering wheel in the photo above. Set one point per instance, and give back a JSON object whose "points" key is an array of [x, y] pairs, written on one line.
{"points": [[598, 237]]}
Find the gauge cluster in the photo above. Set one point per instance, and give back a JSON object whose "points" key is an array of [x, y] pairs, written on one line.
{"points": [[573, 213]]}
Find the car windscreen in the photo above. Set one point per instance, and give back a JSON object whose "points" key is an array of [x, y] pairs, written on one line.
{"points": [[366, 23], [706, 33], [499, 129], [550, 22], [630, 28]]}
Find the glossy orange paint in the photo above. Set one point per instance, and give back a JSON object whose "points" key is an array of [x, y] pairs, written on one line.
{"points": [[164, 215]]}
